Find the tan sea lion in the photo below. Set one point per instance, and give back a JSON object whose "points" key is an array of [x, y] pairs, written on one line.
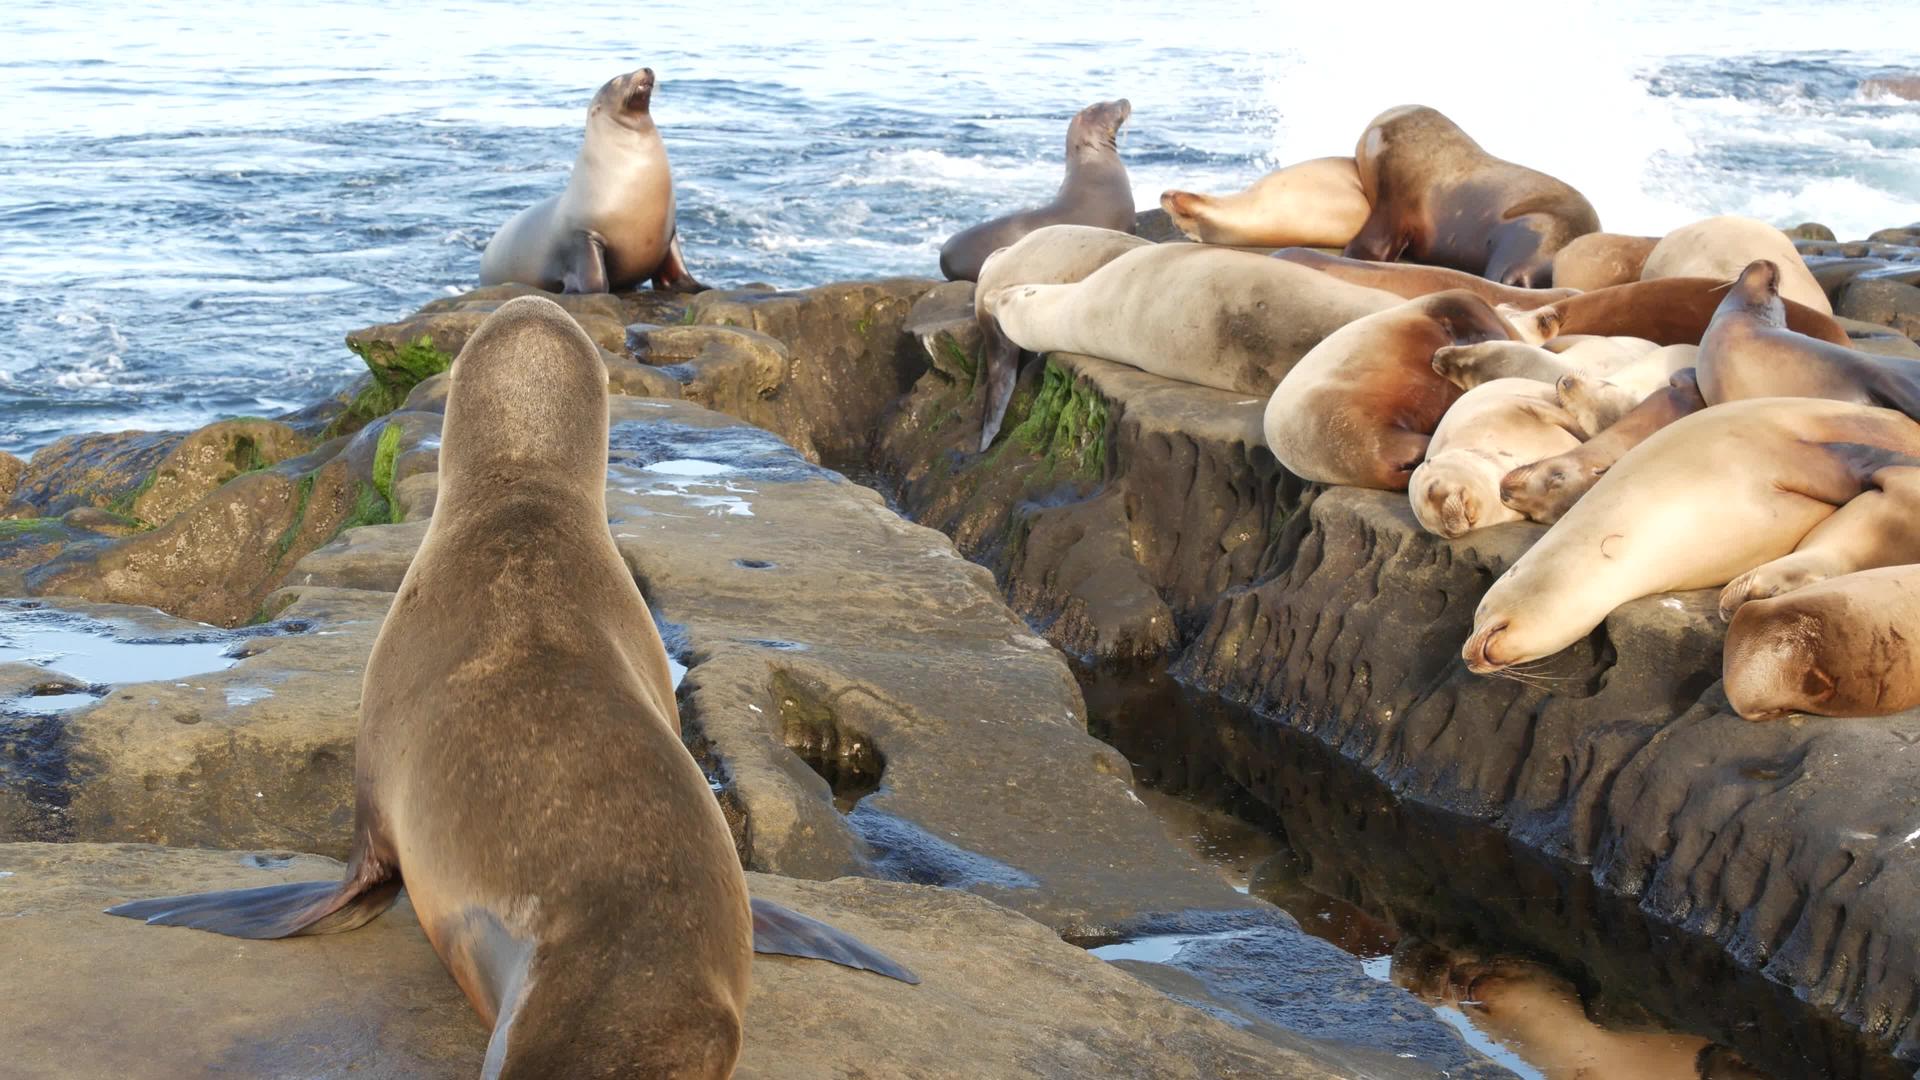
{"points": [[613, 226], [1317, 203], [1492, 429], [519, 764], [1747, 481], [1721, 247], [1840, 647], [1750, 351], [1411, 280], [1360, 407], [1668, 311], [1096, 192], [1598, 401], [1051, 255], [1467, 366], [1439, 198], [1194, 312], [1874, 529], [1543, 490], [1601, 260]]}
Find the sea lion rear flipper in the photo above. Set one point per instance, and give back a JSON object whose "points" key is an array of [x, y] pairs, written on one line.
{"points": [[1002, 360], [1858, 462], [272, 911], [673, 275], [788, 933], [586, 268]]}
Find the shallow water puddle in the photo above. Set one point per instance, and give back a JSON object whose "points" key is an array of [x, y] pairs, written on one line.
{"points": [[93, 651]]}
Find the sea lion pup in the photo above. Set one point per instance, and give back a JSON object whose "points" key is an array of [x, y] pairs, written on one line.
{"points": [[1666, 311], [1317, 203], [519, 762], [1747, 481], [1840, 647], [1493, 428], [1096, 191], [1601, 260], [1411, 280], [1053, 255], [1360, 407], [1439, 198], [613, 226], [1210, 315], [1749, 351], [1542, 491], [1873, 530], [1597, 402], [1721, 247]]}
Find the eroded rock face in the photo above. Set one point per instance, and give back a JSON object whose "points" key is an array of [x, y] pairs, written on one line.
{"points": [[106, 471], [209, 458], [1886, 301]]}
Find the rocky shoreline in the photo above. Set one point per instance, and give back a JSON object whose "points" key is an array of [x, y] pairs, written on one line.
{"points": [[867, 704]]}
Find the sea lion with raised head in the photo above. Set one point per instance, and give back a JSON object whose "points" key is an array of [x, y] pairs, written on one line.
{"points": [[1666, 311], [613, 226], [1053, 255], [1750, 351], [1840, 647], [1874, 529], [1360, 408], [1601, 260], [1210, 315], [1698, 503], [1492, 429], [1317, 203], [1411, 280], [1095, 192], [1722, 247], [1543, 490], [1439, 198], [519, 764]]}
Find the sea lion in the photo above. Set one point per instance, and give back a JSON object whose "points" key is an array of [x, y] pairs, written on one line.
{"points": [[1721, 247], [1492, 429], [1052, 255], [1468, 366], [1096, 192], [519, 762], [1543, 490], [1601, 260], [1360, 407], [1874, 529], [1840, 647], [1317, 203], [1439, 198], [1599, 401], [1700, 502], [1194, 312], [1667, 311], [613, 226], [1411, 280], [1749, 351]]}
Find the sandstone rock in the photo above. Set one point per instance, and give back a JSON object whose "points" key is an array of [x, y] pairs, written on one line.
{"points": [[623, 308], [1904, 236], [625, 375], [1834, 275], [720, 367], [1810, 230], [88, 470], [11, 467], [1886, 302], [209, 458], [27, 542], [414, 497], [1157, 226]]}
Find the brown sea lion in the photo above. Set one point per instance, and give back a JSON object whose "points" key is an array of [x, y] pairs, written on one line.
{"points": [[1317, 203], [1195, 312], [1439, 198], [1721, 247], [519, 764], [1747, 480], [1874, 529], [1667, 311], [1544, 490], [1840, 647], [1749, 351], [1411, 280], [613, 227], [1493, 428], [1361, 406], [1052, 255], [1601, 260], [1096, 192]]}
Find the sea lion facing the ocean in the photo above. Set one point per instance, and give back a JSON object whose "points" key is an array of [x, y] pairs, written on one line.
{"points": [[1316, 203], [519, 765], [1439, 198], [1096, 192], [613, 226]]}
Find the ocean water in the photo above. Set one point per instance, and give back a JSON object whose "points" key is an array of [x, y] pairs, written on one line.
{"points": [[198, 200]]}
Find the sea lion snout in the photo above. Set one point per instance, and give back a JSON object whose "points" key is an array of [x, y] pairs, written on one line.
{"points": [[1478, 651]]}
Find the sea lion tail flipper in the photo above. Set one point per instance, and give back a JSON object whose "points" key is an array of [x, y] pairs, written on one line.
{"points": [[271, 911], [783, 932], [673, 275], [1001, 358], [586, 266]]}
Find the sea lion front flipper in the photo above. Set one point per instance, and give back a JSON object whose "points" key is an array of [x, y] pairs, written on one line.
{"points": [[783, 932], [673, 275], [586, 266], [272, 911]]}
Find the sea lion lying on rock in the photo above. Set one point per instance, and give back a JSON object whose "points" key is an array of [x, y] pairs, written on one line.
{"points": [[1841, 647], [1598, 402], [1875, 529], [1411, 280], [1491, 430], [1667, 311], [1317, 203], [1543, 490]]}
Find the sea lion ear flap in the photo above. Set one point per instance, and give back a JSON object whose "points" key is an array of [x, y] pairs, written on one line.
{"points": [[782, 932]]}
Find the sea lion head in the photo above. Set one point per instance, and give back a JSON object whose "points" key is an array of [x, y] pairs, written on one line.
{"points": [[1456, 491], [1757, 292], [626, 100], [1096, 128], [1543, 490], [1536, 327], [1464, 318], [1773, 660], [527, 403]]}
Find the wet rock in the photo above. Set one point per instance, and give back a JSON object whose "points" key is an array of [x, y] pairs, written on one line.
{"points": [[1904, 236], [1810, 230], [623, 308], [27, 542], [625, 375], [1156, 225], [11, 467], [209, 458], [1834, 275], [414, 497], [1886, 302], [106, 470]]}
